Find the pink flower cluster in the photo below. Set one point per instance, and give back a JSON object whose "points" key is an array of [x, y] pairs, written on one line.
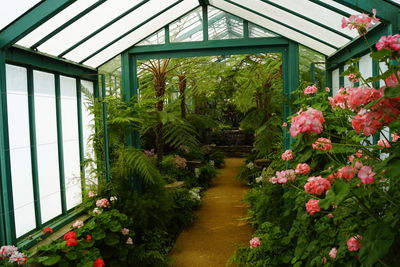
{"points": [[353, 78], [390, 42], [12, 254], [333, 253], [340, 99], [360, 22], [283, 177], [180, 162], [353, 243], [366, 175], [317, 185], [312, 89], [287, 155], [383, 143], [312, 206], [302, 168], [255, 242], [322, 144], [102, 203], [78, 224], [309, 121], [395, 137], [346, 172]]}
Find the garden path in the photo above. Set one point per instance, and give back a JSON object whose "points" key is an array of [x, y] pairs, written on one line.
{"points": [[218, 230]]}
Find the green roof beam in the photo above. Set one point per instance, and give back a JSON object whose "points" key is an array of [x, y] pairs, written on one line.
{"points": [[103, 27], [308, 19], [66, 24], [130, 31], [283, 24], [31, 20]]}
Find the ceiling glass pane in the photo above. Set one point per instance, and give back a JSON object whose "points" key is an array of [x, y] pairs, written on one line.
{"points": [[188, 28], [144, 31], [222, 25], [55, 22], [11, 10], [273, 26], [154, 39], [257, 31]]}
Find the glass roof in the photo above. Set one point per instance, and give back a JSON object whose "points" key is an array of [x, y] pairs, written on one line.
{"points": [[93, 31]]}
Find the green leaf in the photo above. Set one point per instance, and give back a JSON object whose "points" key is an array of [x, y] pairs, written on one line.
{"points": [[376, 243], [112, 239], [71, 255], [305, 155], [115, 226], [393, 167], [98, 234], [391, 92], [338, 192], [380, 54], [53, 259]]}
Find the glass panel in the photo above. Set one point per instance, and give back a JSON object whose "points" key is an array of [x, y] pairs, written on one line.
{"points": [[134, 37], [257, 31], [117, 29], [20, 154], [187, 29], [335, 81], [47, 148], [346, 78], [55, 22], [154, 39], [112, 72], [383, 68], [275, 27], [365, 67], [87, 127], [69, 114], [13, 9], [222, 25]]}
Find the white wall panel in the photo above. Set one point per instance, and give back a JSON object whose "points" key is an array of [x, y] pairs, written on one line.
{"points": [[47, 147], [365, 67], [69, 119], [20, 154], [335, 81]]}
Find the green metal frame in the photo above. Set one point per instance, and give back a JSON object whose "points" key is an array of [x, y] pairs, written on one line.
{"points": [[105, 128], [38, 61], [80, 131], [31, 20]]}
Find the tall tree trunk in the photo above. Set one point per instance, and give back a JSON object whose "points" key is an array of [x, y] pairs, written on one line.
{"points": [[182, 89], [160, 83]]}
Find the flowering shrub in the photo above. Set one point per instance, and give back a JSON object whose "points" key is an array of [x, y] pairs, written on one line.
{"points": [[342, 208], [9, 256]]}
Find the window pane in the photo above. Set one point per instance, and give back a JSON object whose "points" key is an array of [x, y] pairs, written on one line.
{"points": [[335, 81], [154, 39], [222, 25], [47, 148], [187, 29], [20, 154], [365, 67], [13, 9], [69, 115], [257, 31]]}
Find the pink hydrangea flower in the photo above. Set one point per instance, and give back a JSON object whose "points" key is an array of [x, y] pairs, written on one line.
{"points": [[302, 168], [312, 89], [78, 224], [322, 144], [309, 121], [353, 244], [360, 96], [317, 185], [102, 203], [395, 137], [333, 253], [285, 176], [382, 143], [367, 122], [287, 155], [125, 231], [92, 194], [312, 206], [346, 172], [366, 175], [255, 242]]}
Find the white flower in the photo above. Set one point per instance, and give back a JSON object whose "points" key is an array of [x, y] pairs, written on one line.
{"points": [[212, 163], [113, 198], [259, 179], [97, 211], [129, 241], [250, 165], [78, 224], [6, 251], [195, 193], [197, 172]]}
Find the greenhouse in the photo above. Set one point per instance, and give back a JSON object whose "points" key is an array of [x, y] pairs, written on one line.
{"points": [[199, 133]]}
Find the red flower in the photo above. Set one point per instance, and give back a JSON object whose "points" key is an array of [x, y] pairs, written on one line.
{"points": [[99, 262], [88, 237], [70, 235], [71, 243], [47, 230]]}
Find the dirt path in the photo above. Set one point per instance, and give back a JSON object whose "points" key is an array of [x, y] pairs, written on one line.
{"points": [[218, 229]]}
